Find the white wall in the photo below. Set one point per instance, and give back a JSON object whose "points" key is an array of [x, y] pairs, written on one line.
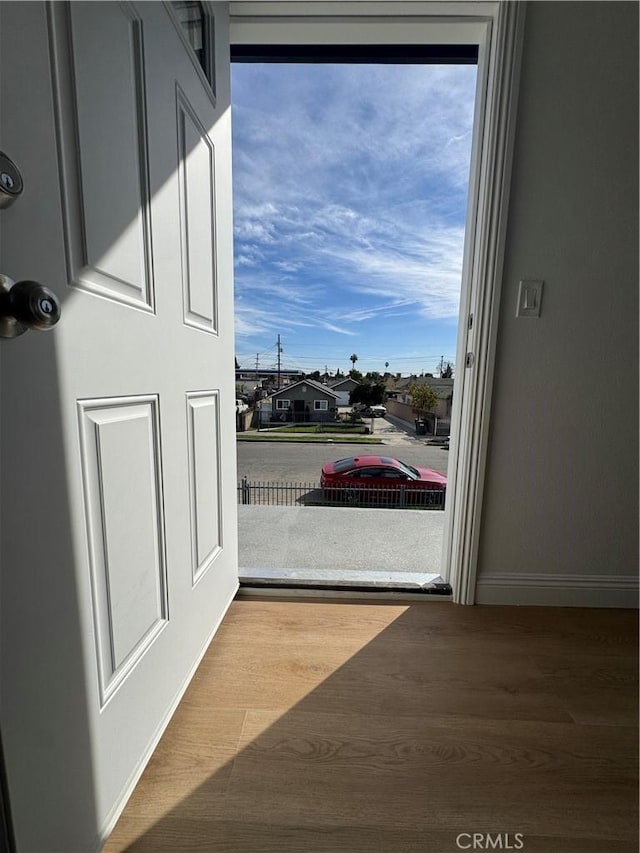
{"points": [[560, 515]]}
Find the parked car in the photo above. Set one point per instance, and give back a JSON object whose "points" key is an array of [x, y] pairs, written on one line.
{"points": [[376, 411], [382, 480]]}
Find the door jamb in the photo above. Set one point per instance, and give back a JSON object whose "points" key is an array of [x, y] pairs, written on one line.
{"points": [[497, 28], [486, 227]]}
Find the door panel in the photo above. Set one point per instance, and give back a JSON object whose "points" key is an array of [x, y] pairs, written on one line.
{"points": [[118, 439], [125, 531], [204, 477], [103, 124], [197, 195]]}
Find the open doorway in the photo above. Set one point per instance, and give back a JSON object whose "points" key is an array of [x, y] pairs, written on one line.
{"points": [[351, 175], [493, 35]]}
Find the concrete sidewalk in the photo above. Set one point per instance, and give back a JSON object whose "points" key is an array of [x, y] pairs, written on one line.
{"points": [[340, 546]]}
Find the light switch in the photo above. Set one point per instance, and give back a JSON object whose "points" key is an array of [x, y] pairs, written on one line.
{"points": [[529, 298]]}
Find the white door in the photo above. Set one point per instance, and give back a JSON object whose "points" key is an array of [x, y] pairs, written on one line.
{"points": [[119, 551]]}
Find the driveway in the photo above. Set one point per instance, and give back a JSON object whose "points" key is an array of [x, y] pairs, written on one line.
{"points": [[395, 432]]}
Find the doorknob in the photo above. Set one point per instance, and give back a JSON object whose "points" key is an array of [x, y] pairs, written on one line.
{"points": [[26, 305]]}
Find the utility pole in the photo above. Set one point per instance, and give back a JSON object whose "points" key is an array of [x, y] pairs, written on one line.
{"points": [[441, 365], [257, 361], [279, 352]]}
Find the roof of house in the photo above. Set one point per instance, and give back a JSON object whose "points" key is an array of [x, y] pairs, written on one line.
{"points": [[316, 386], [340, 382], [442, 388]]}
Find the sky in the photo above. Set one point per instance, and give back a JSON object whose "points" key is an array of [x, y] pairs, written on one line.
{"points": [[350, 190]]}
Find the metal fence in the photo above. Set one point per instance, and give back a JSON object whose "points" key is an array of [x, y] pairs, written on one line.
{"points": [[312, 494]]}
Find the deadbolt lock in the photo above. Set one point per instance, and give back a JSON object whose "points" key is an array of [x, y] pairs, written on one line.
{"points": [[11, 185]]}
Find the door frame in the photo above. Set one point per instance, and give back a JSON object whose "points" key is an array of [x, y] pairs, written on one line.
{"points": [[497, 30]]}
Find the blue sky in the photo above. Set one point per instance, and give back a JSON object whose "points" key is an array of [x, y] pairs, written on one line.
{"points": [[350, 189]]}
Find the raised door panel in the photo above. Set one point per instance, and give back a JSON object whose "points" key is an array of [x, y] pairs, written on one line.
{"points": [[197, 197], [123, 507], [204, 474], [103, 116]]}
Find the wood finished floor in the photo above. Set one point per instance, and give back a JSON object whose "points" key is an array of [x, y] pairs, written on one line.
{"points": [[374, 728]]}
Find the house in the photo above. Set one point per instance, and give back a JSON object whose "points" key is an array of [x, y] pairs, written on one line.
{"points": [[442, 388], [399, 402], [258, 382], [344, 387], [119, 563], [301, 402], [255, 376]]}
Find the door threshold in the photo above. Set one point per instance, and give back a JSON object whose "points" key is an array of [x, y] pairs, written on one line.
{"points": [[328, 595], [340, 580]]}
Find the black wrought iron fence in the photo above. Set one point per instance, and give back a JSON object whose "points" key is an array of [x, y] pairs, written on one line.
{"points": [[252, 493]]}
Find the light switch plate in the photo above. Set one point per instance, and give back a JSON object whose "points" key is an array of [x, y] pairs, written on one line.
{"points": [[529, 298]]}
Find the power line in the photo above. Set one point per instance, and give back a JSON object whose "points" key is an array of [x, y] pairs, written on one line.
{"points": [[322, 356], [293, 360]]}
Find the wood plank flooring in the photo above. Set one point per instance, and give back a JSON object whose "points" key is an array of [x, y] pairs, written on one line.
{"points": [[392, 728]]}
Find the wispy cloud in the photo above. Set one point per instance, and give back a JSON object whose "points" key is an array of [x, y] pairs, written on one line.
{"points": [[255, 319], [350, 193]]}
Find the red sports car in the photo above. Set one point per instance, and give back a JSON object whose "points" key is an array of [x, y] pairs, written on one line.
{"points": [[383, 480]]}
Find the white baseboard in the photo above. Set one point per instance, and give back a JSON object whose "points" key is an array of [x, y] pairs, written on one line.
{"points": [[558, 590]]}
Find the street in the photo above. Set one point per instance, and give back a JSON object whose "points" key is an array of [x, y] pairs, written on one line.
{"points": [[301, 463]]}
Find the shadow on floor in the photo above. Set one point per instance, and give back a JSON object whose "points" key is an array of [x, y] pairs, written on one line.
{"points": [[389, 728]]}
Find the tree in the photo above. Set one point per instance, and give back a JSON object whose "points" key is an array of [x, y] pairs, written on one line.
{"points": [[353, 358], [367, 393], [355, 374], [446, 371], [423, 398]]}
